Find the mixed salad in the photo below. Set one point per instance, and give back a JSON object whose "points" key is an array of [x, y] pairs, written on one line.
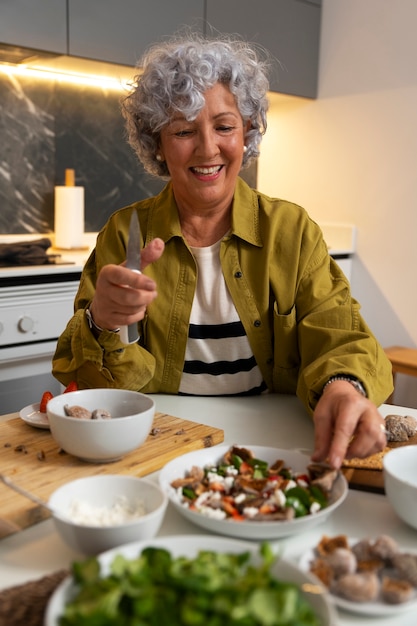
{"points": [[244, 488], [211, 589]]}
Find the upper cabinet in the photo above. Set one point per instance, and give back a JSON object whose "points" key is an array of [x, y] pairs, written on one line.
{"points": [[119, 31], [288, 29], [39, 24]]}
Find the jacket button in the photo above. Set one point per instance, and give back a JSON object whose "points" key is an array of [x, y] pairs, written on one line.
{"points": [[257, 323], [238, 274]]}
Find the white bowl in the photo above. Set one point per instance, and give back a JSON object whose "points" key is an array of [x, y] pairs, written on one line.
{"points": [[105, 440], [104, 491], [264, 530], [189, 546], [400, 481]]}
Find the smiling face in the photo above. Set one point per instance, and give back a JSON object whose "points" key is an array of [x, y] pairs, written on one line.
{"points": [[204, 156]]}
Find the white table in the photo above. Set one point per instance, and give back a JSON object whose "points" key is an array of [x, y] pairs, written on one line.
{"points": [[270, 420]]}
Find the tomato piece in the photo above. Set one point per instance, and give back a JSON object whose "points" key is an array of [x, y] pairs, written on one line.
{"points": [[266, 509], [245, 468], [47, 395], [71, 387], [217, 487]]}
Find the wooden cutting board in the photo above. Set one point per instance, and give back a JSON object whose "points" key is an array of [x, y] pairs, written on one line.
{"points": [[31, 458], [372, 479]]}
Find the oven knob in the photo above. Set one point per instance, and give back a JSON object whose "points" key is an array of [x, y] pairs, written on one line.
{"points": [[25, 324]]}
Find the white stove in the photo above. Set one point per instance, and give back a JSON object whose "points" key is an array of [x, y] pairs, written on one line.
{"points": [[36, 302]]}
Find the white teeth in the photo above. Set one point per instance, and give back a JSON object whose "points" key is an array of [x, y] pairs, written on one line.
{"points": [[207, 170]]}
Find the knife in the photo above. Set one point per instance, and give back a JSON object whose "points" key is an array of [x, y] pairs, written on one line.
{"points": [[129, 334]]}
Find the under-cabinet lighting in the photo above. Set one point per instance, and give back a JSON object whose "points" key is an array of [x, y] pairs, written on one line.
{"points": [[91, 80]]}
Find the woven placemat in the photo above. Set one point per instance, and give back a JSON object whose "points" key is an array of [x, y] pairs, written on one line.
{"points": [[24, 605]]}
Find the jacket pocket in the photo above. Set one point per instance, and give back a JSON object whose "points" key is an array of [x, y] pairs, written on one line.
{"points": [[286, 354]]}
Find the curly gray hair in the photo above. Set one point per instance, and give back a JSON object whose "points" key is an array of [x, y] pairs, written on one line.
{"points": [[175, 76]]}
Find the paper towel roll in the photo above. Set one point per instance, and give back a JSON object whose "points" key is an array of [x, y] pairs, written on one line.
{"points": [[69, 217]]}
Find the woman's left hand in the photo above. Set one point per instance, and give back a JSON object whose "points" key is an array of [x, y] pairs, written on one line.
{"points": [[346, 425]]}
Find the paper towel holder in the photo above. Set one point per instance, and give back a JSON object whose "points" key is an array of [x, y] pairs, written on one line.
{"points": [[69, 214]]}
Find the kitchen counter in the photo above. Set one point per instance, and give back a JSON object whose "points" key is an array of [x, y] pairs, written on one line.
{"points": [[340, 238], [70, 261], [266, 420]]}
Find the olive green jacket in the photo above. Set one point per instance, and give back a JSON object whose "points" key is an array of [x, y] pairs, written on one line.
{"points": [[295, 304]]}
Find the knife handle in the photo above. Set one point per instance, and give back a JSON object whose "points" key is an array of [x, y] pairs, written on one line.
{"points": [[129, 334]]}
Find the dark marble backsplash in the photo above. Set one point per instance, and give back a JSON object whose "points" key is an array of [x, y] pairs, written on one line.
{"points": [[47, 126]]}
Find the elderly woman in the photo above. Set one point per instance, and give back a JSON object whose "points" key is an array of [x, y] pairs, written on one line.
{"points": [[238, 294]]}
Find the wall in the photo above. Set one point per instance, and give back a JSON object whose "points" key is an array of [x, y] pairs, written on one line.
{"points": [[351, 156], [48, 125]]}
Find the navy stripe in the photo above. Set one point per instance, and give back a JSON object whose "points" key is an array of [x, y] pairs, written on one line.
{"points": [[216, 331], [220, 367]]}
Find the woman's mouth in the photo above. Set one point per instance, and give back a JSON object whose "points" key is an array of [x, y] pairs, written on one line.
{"points": [[207, 171]]}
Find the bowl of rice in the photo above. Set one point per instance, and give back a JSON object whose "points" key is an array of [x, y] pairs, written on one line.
{"points": [[98, 513]]}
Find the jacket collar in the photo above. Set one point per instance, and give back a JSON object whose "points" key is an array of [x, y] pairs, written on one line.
{"points": [[164, 220]]}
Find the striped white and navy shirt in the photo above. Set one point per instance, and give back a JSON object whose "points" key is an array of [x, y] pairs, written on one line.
{"points": [[218, 357]]}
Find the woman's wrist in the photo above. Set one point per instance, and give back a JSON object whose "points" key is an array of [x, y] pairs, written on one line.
{"points": [[355, 382], [95, 328]]}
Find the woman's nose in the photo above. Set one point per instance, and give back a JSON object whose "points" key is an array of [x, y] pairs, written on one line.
{"points": [[207, 144]]}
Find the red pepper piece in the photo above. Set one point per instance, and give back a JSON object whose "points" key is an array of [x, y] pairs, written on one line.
{"points": [[47, 395], [71, 387]]}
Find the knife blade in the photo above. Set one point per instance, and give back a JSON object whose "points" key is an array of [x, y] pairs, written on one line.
{"points": [[129, 334]]}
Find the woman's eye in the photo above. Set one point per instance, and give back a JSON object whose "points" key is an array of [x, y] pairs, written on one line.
{"points": [[183, 133]]}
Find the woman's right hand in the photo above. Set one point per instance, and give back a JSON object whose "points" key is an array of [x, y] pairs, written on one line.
{"points": [[122, 295]]}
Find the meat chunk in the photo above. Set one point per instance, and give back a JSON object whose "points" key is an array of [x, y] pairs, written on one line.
{"points": [[194, 477], [322, 476], [363, 587], [77, 411], [396, 591]]}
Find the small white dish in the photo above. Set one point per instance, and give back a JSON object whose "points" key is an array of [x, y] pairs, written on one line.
{"points": [[34, 417], [189, 546], [252, 530], [90, 536], [101, 440], [372, 609]]}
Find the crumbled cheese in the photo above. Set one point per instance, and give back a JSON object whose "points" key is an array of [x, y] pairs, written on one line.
{"points": [[279, 497], [250, 511], [240, 498], [290, 484], [212, 477], [120, 512], [315, 507], [208, 511], [229, 481]]}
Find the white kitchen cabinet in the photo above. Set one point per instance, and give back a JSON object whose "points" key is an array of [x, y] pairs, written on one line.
{"points": [[120, 31], [288, 29], [39, 24]]}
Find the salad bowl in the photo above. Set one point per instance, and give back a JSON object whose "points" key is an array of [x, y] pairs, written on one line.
{"points": [[267, 529], [189, 546]]}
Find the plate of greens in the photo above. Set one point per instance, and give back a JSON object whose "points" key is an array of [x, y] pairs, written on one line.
{"points": [[251, 492], [186, 580]]}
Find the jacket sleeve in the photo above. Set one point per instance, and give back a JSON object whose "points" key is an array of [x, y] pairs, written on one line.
{"points": [[105, 362], [333, 338]]}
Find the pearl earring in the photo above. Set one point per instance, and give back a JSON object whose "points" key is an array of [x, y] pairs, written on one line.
{"points": [[158, 158], [245, 148]]}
